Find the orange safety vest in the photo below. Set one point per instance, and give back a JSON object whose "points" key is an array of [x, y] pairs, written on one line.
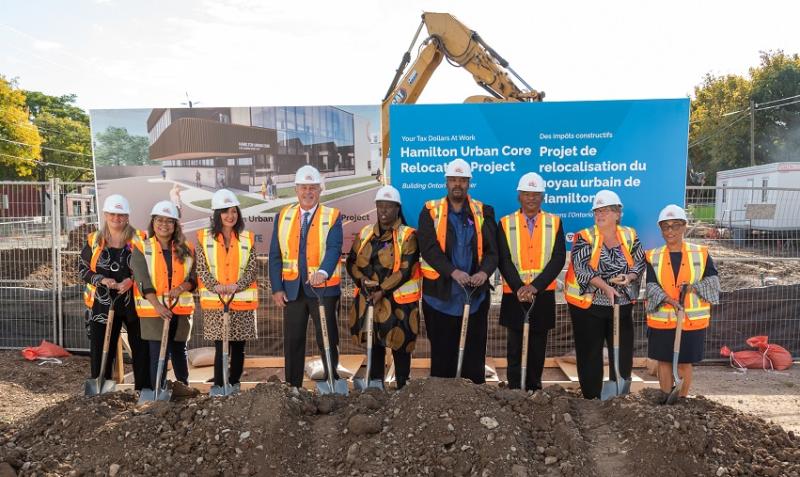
{"points": [[530, 254], [438, 210], [289, 241], [96, 243], [227, 266], [408, 292], [693, 265], [626, 237], [157, 269]]}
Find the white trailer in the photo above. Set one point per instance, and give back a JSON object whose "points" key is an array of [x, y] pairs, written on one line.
{"points": [[765, 197]]}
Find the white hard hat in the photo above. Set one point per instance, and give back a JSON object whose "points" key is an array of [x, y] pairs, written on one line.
{"points": [[165, 208], [388, 193], [672, 212], [531, 182], [223, 199], [604, 198], [307, 175], [116, 204], [458, 168]]}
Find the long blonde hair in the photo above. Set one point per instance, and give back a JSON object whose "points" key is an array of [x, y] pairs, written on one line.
{"points": [[127, 233]]}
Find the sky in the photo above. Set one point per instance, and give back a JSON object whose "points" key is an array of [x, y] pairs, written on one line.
{"points": [[144, 54]]}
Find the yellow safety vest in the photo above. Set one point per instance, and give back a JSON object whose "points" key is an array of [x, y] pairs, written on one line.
{"points": [[438, 211], [530, 254], [408, 292], [157, 270], [227, 266], [693, 265], [289, 240]]}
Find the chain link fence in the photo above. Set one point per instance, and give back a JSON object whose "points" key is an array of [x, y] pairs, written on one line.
{"points": [[753, 235]]}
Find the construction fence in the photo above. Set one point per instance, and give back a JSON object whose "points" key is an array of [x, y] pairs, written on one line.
{"points": [[753, 235]]}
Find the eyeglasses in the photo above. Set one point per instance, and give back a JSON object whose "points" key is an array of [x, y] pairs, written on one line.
{"points": [[163, 221], [604, 210], [673, 226]]}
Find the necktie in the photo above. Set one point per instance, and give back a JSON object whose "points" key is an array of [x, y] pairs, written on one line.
{"points": [[304, 226]]}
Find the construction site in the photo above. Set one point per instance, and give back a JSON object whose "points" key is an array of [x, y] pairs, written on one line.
{"points": [[741, 418]]}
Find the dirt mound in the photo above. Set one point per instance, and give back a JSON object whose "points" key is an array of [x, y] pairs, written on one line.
{"points": [[435, 427]]}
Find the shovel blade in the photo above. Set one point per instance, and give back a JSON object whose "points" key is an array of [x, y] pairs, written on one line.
{"points": [[92, 387], [224, 390], [672, 397], [362, 384], [108, 387], [609, 390], [146, 395], [324, 388], [340, 387]]}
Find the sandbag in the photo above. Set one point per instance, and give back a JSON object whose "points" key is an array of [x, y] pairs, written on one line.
{"points": [[200, 357], [769, 356], [45, 349]]}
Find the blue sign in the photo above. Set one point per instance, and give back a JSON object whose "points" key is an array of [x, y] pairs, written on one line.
{"points": [[637, 148]]}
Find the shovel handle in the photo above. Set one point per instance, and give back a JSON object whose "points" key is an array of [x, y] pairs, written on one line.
{"points": [[162, 352], [462, 340], [524, 367], [106, 342], [225, 331], [615, 325], [370, 311]]}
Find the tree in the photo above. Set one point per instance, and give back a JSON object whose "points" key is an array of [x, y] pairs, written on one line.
{"points": [[116, 147], [65, 132], [20, 143], [719, 132]]}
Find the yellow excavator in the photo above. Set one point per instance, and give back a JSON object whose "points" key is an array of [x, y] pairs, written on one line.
{"points": [[449, 38]]}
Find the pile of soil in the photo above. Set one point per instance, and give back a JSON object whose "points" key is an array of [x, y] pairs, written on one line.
{"points": [[432, 427]]}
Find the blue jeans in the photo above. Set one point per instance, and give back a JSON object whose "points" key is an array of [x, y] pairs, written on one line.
{"points": [[176, 352]]}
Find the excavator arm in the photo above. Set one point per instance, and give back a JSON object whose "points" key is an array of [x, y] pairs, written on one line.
{"points": [[450, 39]]}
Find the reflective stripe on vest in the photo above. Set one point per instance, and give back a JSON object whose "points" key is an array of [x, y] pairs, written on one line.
{"points": [[157, 270], [530, 254], [438, 210], [227, 267], [693, 265], [409, 291], [316, 241], [626, 237], [96, 243]]}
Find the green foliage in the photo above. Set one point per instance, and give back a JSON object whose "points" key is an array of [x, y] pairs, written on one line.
{"points": [[16, 160], [68, 141], [720, 141], [116, 147]]}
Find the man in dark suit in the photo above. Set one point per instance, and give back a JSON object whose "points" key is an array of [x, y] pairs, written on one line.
{"points": [[457, 240], [298, 261]]}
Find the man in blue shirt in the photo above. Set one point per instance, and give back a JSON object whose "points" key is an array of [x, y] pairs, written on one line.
{"points": [[457, 240]]}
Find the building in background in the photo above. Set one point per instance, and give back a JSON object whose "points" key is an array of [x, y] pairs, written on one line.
{"points": [[240, 147]]}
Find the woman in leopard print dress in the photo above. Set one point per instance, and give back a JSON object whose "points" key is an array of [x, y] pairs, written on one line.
{"points": [[226, 264]]}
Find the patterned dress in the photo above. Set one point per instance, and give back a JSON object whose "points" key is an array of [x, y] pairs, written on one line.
{"points": [[612, 263], [242, 323], [396, 325]]}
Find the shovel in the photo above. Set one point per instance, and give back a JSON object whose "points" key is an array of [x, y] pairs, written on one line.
{"points": [[362, 384], [672, 397], [330, 386], [526, 327], [462, 341], [226, 389], [621, 386], [160, 393], [99, 385]]}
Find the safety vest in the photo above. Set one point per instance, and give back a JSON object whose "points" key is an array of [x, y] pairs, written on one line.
{"points": [[157, 270], [227, 266], [693, 265], [626, 237], [530, 254], [408, 292], [438, 210], [96, 243], [289, 240]]}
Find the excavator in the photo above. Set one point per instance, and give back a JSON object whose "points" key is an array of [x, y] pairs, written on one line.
{"points": [[450, 39]]}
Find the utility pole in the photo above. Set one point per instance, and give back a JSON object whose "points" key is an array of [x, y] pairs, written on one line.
{"points": [[752, 132]]}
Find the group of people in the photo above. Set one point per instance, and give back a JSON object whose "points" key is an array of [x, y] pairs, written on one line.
{"points": [[433, 272]]}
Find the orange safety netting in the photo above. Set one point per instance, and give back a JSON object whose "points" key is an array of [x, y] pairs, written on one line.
{"points": [[45, 350], [768, 356]]}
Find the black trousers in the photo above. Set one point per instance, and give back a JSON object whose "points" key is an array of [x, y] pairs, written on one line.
{"points": [[402, 364], [592, 328], [444, 332], [139, 348], [235, 360], [176, 352], [295, 324], [537, 342]]}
